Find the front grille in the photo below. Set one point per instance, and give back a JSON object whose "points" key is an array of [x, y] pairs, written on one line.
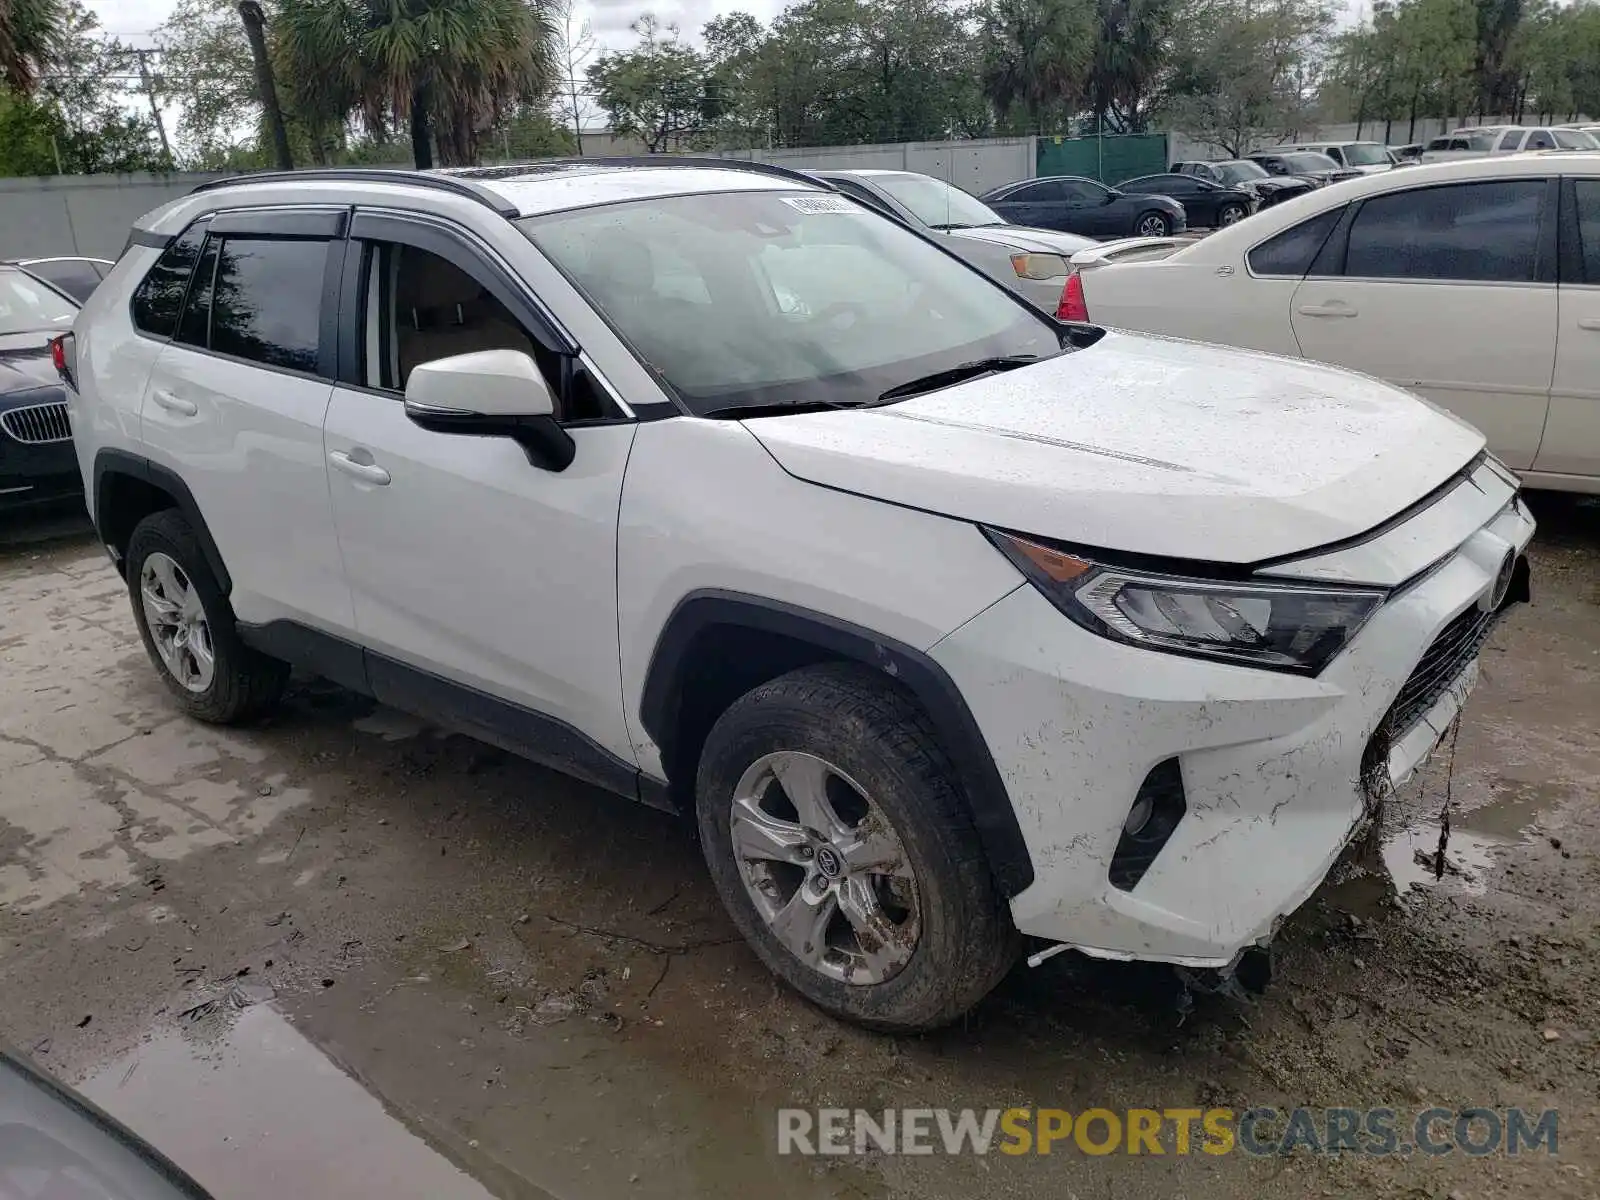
{"points": [[1456, 646], [38, 423]]}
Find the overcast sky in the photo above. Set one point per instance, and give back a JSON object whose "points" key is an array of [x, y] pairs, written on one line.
{"points": [[132, 20]]}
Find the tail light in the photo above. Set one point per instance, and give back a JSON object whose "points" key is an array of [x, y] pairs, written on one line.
{"points": [[61, 358], [1072, 306]]}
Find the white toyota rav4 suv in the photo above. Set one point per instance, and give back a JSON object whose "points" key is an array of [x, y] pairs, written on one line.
{"points": [[705, 484]]}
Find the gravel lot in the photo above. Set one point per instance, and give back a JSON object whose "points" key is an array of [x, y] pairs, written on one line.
{"points": [[529, 990]]}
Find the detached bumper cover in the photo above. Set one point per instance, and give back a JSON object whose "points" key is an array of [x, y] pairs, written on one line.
{"points": [[1278, 770]]}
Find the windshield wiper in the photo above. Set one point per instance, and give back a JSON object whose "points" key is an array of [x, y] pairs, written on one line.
{"points": [[952, 225], [959, 373]]}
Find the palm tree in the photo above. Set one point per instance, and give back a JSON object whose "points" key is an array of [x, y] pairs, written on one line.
{"points": [[1036, 57], [27, 28], [448, 68]]}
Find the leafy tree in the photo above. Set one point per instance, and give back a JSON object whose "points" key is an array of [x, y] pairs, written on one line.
{"points": [[77, 119], [662, 92], [27, 28], [207, 73], [1243, 72]]}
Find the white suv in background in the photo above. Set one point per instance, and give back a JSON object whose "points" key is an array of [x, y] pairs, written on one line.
{"points": [[706, 485]]}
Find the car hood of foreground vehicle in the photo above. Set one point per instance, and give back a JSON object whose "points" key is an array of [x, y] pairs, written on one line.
{"points": [[1026, 238], [1144, 445]]}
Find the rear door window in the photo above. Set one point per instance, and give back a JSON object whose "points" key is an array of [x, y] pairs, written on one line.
{"points": [[1294, 250], [158, 300], [266, 303], [1511, 140], [1465, 231]]}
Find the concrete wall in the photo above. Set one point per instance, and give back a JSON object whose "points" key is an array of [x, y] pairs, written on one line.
{"points": [[975, 166], [81, 214]]}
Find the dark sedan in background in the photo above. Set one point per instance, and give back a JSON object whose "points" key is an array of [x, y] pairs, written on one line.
{"points": [[39, 298], [1204, 202], [1074, 204], [1306, 164], [1247, 176]]}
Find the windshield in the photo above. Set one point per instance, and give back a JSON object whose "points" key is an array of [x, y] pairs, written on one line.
{"points": [[1308, 161], [1574, 139], [935, 202], [755, 299], [26, 305], [1240, 170], [1366, 154]]}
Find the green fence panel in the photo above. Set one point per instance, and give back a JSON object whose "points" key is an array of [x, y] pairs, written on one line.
{"points": [[1108, 159]]}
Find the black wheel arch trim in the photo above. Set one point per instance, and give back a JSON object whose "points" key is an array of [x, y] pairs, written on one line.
{"points": [[109, 463], [988, 802]]}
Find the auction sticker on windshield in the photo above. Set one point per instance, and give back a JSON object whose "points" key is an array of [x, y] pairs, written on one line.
{"points": [[820, 204]]}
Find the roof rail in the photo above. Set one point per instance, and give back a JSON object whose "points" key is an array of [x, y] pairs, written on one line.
{"points": [[423, 179], [649, 160]]}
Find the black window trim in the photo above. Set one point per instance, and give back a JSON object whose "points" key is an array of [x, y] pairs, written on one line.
{"points": [[328, 325], [1545, 238], [1572, 269], [461, 248]]}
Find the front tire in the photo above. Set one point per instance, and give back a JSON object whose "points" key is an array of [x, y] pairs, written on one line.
{"points": [[1230, 214], [188, 627], [837, 838]]}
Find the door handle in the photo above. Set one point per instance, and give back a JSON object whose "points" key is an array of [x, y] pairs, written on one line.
{"points": [[366, 472], [177, 404], [1589, 323], [1334, 308]]}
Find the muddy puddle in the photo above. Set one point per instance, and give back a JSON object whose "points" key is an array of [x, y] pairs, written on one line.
{"points": [[283, 1099]]}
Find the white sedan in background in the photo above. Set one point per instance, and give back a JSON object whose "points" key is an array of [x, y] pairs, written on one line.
{"points": [[1475, 284]]}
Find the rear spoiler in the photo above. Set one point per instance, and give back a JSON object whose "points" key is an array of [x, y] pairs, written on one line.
{"points": [[1128, 249]]}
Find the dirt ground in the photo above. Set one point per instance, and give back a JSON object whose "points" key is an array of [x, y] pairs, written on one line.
{"points": [[341, 953]]}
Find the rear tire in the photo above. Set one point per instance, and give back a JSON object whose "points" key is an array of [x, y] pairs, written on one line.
{"points": [[1152, 224], [940, 934], [189, 630]]}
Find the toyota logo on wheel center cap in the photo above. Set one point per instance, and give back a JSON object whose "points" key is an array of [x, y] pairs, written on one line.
{"points": [[828, 862]]}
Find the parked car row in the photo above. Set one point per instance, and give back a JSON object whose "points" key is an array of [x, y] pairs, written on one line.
{"points": [[1475, 283], [1481, 141]]}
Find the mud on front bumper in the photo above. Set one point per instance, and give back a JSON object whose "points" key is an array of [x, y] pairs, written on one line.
{"points": [[1277, 772]]}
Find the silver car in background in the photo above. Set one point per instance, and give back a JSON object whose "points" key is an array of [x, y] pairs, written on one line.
{"points": [[1031, 262]]}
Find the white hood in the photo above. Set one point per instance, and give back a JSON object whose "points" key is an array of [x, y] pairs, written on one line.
{"points": [[1147, 445]]}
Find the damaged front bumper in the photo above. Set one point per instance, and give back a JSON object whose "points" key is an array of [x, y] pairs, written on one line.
{"points": [[1274, 773]]}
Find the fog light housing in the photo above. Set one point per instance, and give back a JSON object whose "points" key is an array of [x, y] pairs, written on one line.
{"points": [[1152, 819]]}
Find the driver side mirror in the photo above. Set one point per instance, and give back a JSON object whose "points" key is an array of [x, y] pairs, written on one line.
{"points": [[491, 393]]}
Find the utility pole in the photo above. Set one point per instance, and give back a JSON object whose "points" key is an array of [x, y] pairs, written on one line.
{"points": [[266, 86], [155, 108]]}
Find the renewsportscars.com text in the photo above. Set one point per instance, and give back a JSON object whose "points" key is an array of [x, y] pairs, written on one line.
{"points": [[1180, 1131]]}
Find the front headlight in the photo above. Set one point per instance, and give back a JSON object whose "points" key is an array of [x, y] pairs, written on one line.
{"points": [[1279, 627], [1040, 266]]}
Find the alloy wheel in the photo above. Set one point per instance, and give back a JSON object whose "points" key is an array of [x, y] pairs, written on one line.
{"points": [[177, 622], [824, 868], [1152, 226]]}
